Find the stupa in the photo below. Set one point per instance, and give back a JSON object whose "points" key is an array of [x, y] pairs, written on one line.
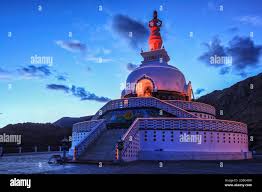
{"points": [[156, 119]]}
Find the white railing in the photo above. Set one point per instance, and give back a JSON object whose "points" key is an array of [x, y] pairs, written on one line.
{"points": [[85, 126], [96, 131], [192, 124], [193, 106], [144, 102], [131, 143]]}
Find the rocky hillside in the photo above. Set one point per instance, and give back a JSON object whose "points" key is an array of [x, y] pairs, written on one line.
{"points": [[41, 135], [241, 102], [69, 121]]}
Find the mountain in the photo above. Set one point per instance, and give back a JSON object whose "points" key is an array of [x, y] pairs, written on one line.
{"points": [[69, 121], [41, 135], [241, 102]]}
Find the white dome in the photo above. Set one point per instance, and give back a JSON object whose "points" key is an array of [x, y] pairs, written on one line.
{"points": [[165, 77]]}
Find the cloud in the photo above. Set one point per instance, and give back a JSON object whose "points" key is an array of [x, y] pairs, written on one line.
{"points": [[98, 55], [2, 70], [58, 87], [213, 48], [85, 95], [131, 66], [233, 29], [61, 77], [199, 91], [123, 25], [97, 59], [4, 74], [224, 70], [72, 46], [243, 74], [79, 92], [250, 20], [35, 71], [243, 51]]}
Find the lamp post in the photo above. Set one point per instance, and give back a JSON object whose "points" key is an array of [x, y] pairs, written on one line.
{"points": [[120, 147]]}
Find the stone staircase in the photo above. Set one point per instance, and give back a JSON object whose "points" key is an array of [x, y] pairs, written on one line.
{"points": [[103, 149]]}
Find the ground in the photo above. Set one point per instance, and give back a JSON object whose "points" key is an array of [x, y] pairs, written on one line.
{"points": [[37, 163]]}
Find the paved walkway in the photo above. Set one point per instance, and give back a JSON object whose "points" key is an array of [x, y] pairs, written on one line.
{"points": [[37, 163]]}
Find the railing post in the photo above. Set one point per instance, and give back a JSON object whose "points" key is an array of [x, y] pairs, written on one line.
{"points": [[35, 149], [48, 148], [60, 148], [20, 149]]}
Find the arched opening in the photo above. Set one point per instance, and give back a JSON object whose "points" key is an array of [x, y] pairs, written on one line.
{"points": [[144, 88]]}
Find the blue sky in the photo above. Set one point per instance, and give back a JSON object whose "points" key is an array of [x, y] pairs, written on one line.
{"points": [[95, 58]]}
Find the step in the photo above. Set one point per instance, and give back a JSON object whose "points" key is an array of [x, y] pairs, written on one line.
{"points": [[103, 149]]}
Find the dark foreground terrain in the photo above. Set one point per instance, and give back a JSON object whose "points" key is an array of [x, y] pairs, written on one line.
{"points": [[37, 163]]}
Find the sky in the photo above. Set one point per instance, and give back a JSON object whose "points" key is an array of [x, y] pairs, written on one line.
{"points": [[65, 58]]}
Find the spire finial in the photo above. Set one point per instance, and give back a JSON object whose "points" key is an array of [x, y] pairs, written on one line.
{"points": [[155, 40]]}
